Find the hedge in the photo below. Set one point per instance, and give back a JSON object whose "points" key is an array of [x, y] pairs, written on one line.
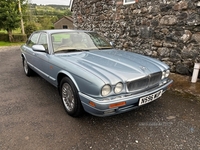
{"points": [[16, 37], [4, 37]]}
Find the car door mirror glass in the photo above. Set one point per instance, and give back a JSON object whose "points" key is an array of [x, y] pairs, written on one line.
{"points": [[112, 44], [39, 48]]}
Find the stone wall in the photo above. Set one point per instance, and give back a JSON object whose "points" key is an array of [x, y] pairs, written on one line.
{"points": [[165, 29]]}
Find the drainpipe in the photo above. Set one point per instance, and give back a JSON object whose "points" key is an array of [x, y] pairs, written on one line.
{"points": [[195, 72]]}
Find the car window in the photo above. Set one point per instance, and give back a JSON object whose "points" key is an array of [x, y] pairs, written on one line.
{"points": [[43, 40], [68, 41], [33, 40]]}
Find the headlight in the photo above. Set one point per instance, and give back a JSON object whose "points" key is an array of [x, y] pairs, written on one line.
{"points": [[165, 74], [118, 88], [105, 90]]}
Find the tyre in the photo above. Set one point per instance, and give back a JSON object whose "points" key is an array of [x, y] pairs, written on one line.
{"points": [[27, 69], [70, 98]]}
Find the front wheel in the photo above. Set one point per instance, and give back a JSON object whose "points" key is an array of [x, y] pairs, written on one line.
{"points": [[27, 69], [70, 98]]}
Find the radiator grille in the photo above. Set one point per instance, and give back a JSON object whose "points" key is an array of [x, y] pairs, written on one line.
{"points": [[144, 83]]}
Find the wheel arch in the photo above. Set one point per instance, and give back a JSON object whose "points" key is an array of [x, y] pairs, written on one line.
{"points": [[63, 74], [23, 56]]}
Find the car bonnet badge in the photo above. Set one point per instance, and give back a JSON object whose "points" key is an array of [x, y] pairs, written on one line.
{"points": [[143, 68]]}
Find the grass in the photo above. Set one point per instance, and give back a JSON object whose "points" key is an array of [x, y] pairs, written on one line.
{"points": [[9, 44]]}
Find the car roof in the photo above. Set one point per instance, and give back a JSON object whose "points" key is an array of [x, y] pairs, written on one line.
{"points": [[61, 31]]}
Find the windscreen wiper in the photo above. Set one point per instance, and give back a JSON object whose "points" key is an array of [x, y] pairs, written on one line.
{"points": [[70, 50], [101, 48]]}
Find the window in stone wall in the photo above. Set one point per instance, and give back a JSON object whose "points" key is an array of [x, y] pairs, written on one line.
{"points": [[129, 1]]}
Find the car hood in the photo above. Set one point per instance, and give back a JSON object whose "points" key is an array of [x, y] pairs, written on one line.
{"points": [[113, 66]]}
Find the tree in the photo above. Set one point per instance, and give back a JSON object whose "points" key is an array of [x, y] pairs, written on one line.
{"points": [[30, 28], [45, 22], [68, 12], [10, 16]]}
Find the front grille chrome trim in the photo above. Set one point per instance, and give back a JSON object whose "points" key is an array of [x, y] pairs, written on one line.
{"points": [[146, 82]]}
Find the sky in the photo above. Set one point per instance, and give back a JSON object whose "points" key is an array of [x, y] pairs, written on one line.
{"points": [[46, 2]]}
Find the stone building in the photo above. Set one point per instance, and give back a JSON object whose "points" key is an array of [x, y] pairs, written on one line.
{"points": [[165, 29], [65, 22]]}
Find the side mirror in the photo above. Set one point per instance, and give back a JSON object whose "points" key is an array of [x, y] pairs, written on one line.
{"points": [[39, 48], [112, 44]]}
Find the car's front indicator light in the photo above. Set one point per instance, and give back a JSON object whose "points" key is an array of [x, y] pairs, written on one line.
{"points": [[118, 88], [105, 90], [120, 104], [92, 104]]}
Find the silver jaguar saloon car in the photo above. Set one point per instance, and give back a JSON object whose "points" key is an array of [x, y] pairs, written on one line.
{"points": [[91, 75]]}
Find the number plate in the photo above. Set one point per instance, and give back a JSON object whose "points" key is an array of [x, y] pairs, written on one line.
{"points": [[150, 98]]}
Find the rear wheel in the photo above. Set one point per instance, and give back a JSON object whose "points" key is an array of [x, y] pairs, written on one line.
{"points": [[70, 98], [27, 69]]}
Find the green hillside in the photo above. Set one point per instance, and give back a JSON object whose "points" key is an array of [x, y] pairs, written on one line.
{"points": [[45, 15]]}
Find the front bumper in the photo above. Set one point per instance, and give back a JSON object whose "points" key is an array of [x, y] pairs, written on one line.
{"points": [[102, 109]]}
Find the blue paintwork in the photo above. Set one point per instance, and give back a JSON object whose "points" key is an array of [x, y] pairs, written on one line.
{"points": [[91, 70]]}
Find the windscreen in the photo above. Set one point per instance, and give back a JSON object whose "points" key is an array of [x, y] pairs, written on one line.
{"points": [[79, 41]]}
